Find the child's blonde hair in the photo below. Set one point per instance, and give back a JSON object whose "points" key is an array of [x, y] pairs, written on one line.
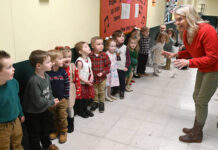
{"points": [[143, 29], [64, 49], [162, 34], [54, 54], [137, 44], [79, 46], [107, 44], [95, 38]]}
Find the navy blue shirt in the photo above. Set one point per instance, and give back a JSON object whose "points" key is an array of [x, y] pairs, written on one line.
{"points": [[59, 83]]}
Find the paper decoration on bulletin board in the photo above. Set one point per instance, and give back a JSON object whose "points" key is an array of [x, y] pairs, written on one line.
{"points": [[170, 6], [122, 15], [153, 3]]}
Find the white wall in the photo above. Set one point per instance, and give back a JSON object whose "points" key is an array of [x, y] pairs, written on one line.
{"points": [[155, 15], [211, 7], [27, 25]]}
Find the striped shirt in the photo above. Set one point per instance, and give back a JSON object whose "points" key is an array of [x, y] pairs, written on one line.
{"points": [[59, 83]]}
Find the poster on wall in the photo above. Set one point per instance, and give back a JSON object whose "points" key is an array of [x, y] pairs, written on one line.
{"points": [[153, 3], [122, 15], [170, 6]]}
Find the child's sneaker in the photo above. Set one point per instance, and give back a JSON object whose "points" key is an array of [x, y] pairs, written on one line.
{"points": [[132, 81], [113, 97], [52, 147], [155, 74], [62, 137], [136, 76], [128, 89], [145, 74], [94, 106], [108, 99], [53, 135], [101, 107]]}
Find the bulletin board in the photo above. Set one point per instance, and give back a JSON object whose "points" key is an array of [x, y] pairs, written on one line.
{"points": [[122, 15]]}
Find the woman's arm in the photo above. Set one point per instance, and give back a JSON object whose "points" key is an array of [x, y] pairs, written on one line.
{"points": [[209, 41]]}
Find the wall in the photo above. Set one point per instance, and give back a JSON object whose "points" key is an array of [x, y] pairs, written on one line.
{"points": [[27, 25], [155, 15], [210, 7]]}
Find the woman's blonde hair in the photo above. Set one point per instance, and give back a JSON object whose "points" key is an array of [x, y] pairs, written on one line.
{"points": [[193, 20]]}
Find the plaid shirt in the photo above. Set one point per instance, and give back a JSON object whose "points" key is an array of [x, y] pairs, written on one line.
{"points": [[100, 64], [144, 44]]}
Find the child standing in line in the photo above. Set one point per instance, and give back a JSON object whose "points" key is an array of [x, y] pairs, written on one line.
{"points": [[84, 66], [123, 62], [169, 46], [37, 99], [145, 47], [75, 87], [60, 89], [132, 47], [10, 108], [162, 38], [101, 67], [112, 77], [135, 35]]}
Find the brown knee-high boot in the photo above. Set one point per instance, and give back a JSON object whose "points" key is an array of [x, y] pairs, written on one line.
{"points": [[168, 63], [188, 130], [195, 136]]}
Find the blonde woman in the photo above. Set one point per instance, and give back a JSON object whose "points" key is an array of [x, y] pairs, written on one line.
{"points": [[201, 44]]}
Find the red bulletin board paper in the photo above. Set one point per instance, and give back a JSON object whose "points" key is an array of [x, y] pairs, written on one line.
{"points": [[110, 19]]}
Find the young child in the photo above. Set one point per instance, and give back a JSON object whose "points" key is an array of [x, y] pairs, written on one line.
{"points": [[84, 66], [60, 89], [112, 77], [145, 47], [135, 34], [100, 67], [157, 49], [10, 109], [132, 47], [169, 46], [37, 99], [123, 62], [75, 87]]}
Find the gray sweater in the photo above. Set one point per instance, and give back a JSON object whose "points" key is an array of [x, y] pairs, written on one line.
{"points": [[38, 95]]}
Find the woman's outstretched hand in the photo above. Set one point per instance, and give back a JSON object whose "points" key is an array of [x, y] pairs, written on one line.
{"points": [[169, 54]]}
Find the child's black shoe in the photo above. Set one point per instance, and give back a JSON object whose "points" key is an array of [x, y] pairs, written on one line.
{"points": [[94, 106], [70, 125], [101, 107], [121, 95], [89, 113], [83, 114]]}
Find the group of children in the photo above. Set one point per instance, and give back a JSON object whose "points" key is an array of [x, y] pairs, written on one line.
{"points": [[64, 89]]}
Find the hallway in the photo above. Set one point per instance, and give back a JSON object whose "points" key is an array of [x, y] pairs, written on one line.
{"points": [[149, 118]]}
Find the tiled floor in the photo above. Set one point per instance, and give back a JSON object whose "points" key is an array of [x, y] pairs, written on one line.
{"points": [[150, 118]]}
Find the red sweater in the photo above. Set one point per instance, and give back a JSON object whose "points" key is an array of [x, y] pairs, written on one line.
{"points": [[203, 50]]}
